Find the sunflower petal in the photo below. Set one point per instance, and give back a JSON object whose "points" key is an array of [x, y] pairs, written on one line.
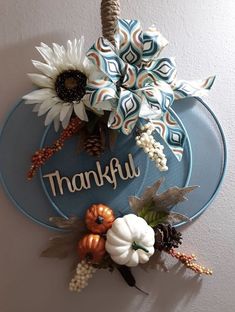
{"points": [[88, 67], [86, 102], [59, 52], [80, 111], [56, 123], [46, 52], [45, 106], [65, 109], [80, 49], [36, 108], [69, 53], [67, 117], [53, 112], [30, 102], [46, 69], [75, 57], [39, 95], [41, 80]]}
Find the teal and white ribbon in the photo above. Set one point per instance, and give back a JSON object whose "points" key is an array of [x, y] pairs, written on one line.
{"points": [[135, 83]]}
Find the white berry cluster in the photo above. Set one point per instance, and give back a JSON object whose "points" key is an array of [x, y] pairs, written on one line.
{"points": [[84, 272], [154, 149]]}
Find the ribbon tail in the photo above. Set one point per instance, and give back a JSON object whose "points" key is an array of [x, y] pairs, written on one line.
{"points": [[126, 114], [172, 133], [183, 88]]}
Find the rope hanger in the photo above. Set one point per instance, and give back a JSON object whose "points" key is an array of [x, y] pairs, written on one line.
{"points": [[110, 12]]}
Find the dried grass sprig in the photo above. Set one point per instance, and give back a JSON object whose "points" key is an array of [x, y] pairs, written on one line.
{"points": [[65, 245]]}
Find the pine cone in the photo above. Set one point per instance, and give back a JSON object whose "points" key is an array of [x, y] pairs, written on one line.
{"points": [[93, 145], [167, 237]]}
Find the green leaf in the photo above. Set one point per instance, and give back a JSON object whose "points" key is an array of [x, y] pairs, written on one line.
{"points": [[143, 211], [153, 218], [147, 199]]}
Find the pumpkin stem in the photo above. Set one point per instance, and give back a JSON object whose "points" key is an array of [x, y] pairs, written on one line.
{"points": [[99, 220], [136, 246], [89, 256], [144, 292]]}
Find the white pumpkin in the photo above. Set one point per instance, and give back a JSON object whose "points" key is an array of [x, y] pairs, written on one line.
{"points": [[130, 240]]}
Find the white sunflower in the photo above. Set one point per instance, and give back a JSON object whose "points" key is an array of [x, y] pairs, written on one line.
{"points": [[62, 83]]}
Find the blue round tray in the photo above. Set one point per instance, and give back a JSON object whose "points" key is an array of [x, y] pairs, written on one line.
{"points": [[69, 162], [22, 134], [19, 137], [209, 154]]}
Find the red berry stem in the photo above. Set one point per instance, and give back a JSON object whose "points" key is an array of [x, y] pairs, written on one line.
{"points": [[42, 155], [189, 262]]}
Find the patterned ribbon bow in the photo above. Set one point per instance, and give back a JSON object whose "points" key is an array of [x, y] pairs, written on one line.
{"points": [[133, 82]]}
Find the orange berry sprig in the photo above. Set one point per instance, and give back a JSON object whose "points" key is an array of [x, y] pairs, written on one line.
{"points": [[189, 262], [42, 155]]}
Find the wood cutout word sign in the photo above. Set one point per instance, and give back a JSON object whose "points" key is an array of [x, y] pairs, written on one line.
{"points": [[83, 180]]}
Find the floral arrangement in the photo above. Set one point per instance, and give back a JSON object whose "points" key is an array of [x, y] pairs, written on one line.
{"points": [[120, 85], [105, 241], [111, 89]]}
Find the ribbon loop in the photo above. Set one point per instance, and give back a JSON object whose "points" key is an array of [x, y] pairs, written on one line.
{"points": [[129, 41], [138, 84], [102, 55], [163, 68], [171, 132], [155, 108], [127, 112], [101, 94], [153, 44]]}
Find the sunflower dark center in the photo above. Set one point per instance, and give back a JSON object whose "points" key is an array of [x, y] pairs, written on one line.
{"points": [[70, 85]]}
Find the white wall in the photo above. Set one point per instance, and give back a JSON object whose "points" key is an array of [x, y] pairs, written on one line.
{"points": [[201, 35]]}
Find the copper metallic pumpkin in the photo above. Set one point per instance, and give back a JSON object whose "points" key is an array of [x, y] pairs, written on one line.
{"points": [[91, 247], [99, 218]]}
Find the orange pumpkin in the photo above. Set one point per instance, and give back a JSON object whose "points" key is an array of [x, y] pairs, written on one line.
{"points": [[91, 247], [99, 218]]}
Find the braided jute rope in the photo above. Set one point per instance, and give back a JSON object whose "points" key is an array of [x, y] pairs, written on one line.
{"points": [[110, 12]]}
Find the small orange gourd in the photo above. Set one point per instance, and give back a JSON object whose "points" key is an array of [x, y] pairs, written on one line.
{"points": [[91, 247], [99, 218]]}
